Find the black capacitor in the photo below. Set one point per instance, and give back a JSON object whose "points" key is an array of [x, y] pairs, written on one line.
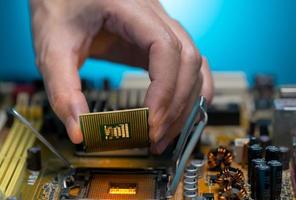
{"points": [[254, 151], [208, 196], [272, 153], [34, 159], [253, 140], [263, 129], [255, 162], [262, 183], [285, 157], [265, 141], [276, 171], [252, 128]]}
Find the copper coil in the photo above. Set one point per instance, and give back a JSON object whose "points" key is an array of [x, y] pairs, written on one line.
{"points": [[243, 194], [238, 176], [231, 181], [219, 158], [234, 194], [222, 197]]}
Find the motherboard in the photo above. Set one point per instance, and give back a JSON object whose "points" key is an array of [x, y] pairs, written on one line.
{"points": [[241, 148]]}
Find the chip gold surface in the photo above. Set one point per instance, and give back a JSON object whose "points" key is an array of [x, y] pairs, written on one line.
{"points": [[112, 130]]}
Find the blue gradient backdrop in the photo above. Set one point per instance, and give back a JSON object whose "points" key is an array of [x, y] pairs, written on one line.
{"points": [[249, 35]]}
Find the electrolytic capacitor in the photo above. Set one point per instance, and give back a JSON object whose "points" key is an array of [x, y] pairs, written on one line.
{"points": [[264, 141], [190, 175], [254, 151], [252, 128], [189, 195], [263, 129], [253, 140], [272, 153], [190, 187], [34, 159], [200, 165], [285, 157], [262, 186], [191, 168], [190, 181], [254, 163], [276, 171]]}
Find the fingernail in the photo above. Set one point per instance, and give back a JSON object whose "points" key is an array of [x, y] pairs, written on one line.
{"points": [[73, 125], [73, 130]]}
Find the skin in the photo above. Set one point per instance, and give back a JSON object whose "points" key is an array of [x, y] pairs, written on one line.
{"points": [[135, 32]]}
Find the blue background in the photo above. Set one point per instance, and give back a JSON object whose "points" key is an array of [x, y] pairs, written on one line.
{"points": [[249, 35]]}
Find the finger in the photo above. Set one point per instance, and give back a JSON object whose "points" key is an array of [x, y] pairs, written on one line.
{"points": [[149, 32], [112, 47], [208, 83], [206, 90], [175, 128], [189, 74], [58, 63]]}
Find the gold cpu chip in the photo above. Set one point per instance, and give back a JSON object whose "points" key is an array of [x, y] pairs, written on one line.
{"points": [[123, 129]]}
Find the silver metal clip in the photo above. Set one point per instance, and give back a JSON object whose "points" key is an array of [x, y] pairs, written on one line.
{"points": [[181, 153], [24, 121]]}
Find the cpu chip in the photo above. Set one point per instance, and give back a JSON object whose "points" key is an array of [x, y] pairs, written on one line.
{"points": [[123, 129]]}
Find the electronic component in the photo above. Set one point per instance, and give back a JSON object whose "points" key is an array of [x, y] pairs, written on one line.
{"points": [[200, 165], [272, 153], [263, 127], [219, 158], [113, 130], [287, 91], [14, 148], [190, 187], [254, 151], [240, 145], [208, 196], [123, 188], [118, 184], [190, 175], [262, 183], [253, 140], [285, 157], [190, 180], [234, 193], [251, 129], [223, 115], [230, 178], [189, 195], [254, 163], [34, 158], [276, 170], [284, 121], [264, 141]]}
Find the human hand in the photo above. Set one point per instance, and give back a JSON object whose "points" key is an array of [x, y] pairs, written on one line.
{"points": [[134, 32]]}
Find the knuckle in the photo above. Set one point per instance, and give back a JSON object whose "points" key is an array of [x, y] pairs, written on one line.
{"points": [[171, 41], [191, 55], [175, 22]]}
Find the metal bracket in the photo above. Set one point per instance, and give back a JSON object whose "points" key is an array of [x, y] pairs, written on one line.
{"points": [[187, 141], [39, 136]]}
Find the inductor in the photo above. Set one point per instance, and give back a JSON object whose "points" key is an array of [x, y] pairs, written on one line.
{"points": [[219, 158]]}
